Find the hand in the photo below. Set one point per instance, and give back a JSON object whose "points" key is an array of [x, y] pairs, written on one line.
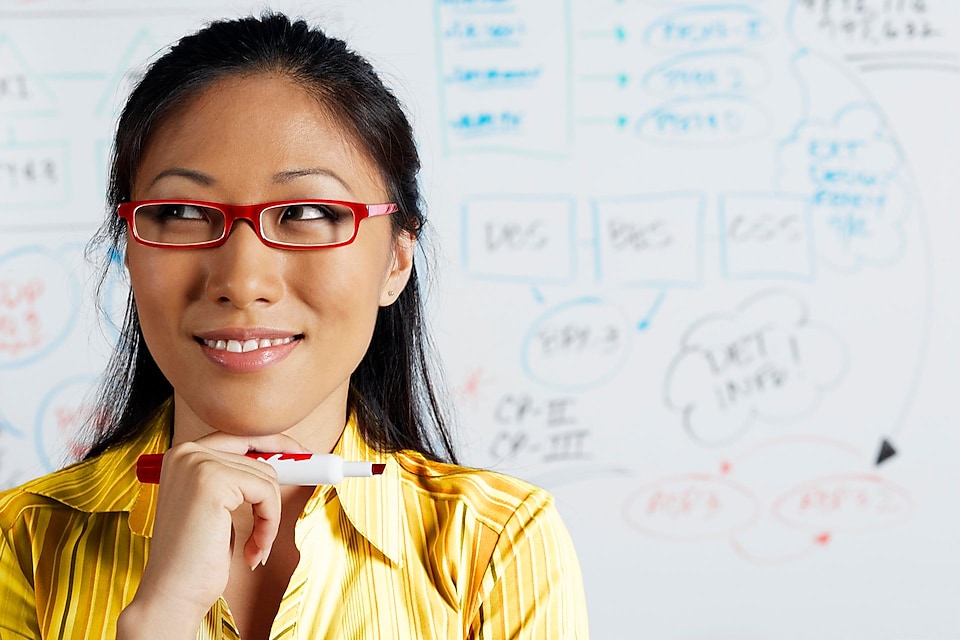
{"points": [[201, 484]]}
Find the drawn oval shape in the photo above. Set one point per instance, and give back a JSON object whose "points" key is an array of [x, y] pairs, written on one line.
{"points": [[577, 345], [845, 502], [707, 72], [716, 120], [62, 414], [38, 305], [691, 507], [708, 27]]}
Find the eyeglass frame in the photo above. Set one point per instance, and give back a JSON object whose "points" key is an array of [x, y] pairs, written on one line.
{"points": [[252, 213]]}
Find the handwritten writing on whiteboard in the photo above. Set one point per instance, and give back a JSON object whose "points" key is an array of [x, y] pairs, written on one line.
{"points": [[867, 22], [853, 172], [20, 91], [709, 81], [537, 428], [652, 240], [502, 76], [519, 239], [847, 502], [718, 120], [707, 26], [766, 362], [766, 235], [32, 175], [577, 345], [775, 502], [38, 298], [62, 414], [691, 507], [710, 72]]}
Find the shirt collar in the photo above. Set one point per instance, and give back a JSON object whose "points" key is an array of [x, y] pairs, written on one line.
{"points": [[372, 505], [109, 481]]}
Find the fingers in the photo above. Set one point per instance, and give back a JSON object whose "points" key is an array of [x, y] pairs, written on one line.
{"points": [[201, 514], [228, 481], [240, 445]]}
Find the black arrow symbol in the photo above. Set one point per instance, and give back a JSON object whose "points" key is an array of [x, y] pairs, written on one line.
{"points": [[886, 451]]}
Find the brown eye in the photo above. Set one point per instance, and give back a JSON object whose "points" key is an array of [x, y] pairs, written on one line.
{"points": [[179, 211], [310, 212]]}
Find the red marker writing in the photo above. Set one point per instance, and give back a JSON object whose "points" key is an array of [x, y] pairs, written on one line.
{"points": [[305, 469]]}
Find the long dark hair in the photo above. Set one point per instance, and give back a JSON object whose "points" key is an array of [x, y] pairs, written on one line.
{"points": [[391, 391]]}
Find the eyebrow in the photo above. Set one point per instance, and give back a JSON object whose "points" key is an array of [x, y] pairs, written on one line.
{"points": [[196, 176], [282, 177]]}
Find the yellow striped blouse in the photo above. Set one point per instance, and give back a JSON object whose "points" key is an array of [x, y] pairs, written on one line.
{"points": [[426, 550]]}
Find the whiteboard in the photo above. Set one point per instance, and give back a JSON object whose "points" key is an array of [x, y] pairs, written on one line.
{"points": [[693, 271]]}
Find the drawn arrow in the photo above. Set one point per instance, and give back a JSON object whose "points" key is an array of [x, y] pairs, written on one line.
{"points": [[645, 321], [618, 32], [617, 121], [620, 78], [887, 451]]}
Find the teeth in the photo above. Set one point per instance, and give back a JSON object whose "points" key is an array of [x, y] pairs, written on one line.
{"points": [[236, 346]]}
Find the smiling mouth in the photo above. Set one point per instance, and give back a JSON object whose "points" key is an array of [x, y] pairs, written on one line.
{"points": [[245, 346]]}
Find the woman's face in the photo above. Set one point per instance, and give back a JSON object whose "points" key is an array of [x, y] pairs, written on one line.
{"points": [[252, 140]]}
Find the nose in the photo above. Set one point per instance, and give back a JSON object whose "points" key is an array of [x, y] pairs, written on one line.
{"points": [[244, 272]]}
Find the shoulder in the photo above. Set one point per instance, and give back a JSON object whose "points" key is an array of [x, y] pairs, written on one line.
{"points": [[105, 483], [40, 494], [490, 498]]}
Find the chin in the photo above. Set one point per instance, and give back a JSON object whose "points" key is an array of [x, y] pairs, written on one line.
{"points": [[246, 420]]}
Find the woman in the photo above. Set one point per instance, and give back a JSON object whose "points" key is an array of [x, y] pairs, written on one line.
{"points": [[286, 326]]}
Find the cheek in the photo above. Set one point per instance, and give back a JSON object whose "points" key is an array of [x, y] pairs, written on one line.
{"points": [[342, 292], [163, 283]]}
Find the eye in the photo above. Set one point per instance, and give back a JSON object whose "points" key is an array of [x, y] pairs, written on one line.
{"points": [[180, 211], [310, 212]]}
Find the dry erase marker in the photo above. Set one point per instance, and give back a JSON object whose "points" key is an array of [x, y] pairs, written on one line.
{"points": [[306, 469]]}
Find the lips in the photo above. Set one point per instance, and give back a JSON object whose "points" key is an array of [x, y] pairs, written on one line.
{"points": [[245, 346], [247, 350]]}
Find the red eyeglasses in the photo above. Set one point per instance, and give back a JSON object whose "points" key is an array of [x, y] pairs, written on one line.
{"points": [[289, 224]]}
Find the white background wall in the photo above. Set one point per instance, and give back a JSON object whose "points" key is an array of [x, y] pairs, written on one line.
{"points": [[693, 263]]}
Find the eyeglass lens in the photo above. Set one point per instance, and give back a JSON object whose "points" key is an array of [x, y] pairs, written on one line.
{"points": [[311, 223]]}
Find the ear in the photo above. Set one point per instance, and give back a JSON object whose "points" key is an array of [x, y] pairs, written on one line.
{"points": [[402, 264]]}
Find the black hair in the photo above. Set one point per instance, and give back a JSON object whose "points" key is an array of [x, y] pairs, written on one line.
{"points": [[391, 391]]}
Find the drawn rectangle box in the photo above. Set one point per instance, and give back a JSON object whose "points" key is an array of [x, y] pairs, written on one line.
{"points": [[766, 236], [654, 240], [504, 76], [523, 239]]}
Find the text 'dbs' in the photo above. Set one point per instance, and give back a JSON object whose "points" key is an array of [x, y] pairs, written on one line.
{"points": [[527, 240], [766, 236], [652, 240]]}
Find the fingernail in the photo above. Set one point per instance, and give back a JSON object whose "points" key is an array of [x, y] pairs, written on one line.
{"points": [[265, 556], [257, 562]]}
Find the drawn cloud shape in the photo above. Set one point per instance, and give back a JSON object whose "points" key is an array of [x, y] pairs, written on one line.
{"points": [[852, 172], [765, 362]]}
